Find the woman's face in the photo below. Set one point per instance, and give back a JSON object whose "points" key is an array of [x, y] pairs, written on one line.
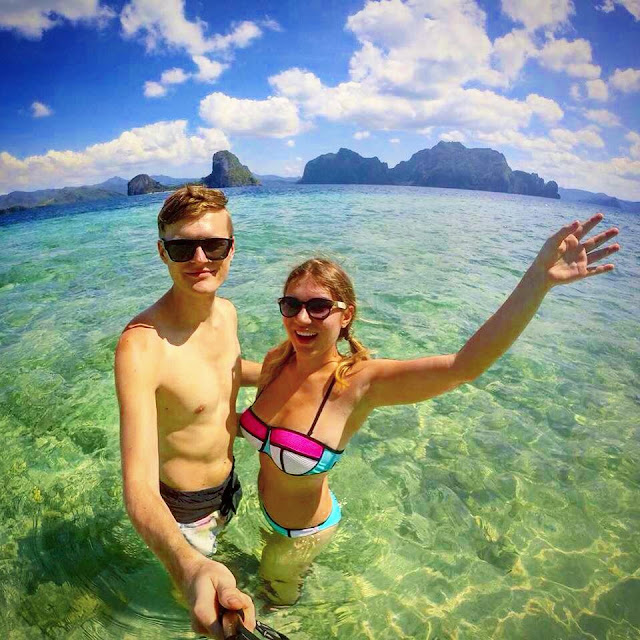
{"points": [[310, 336]]}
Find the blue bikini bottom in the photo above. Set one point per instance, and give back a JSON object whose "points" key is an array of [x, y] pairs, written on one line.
{"points": [[333, 519]]}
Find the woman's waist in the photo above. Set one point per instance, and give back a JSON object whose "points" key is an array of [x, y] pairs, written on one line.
{"points": [[295, 502]]}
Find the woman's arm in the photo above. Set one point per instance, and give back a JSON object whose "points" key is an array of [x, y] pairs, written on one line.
{"points": [[562, 259]]}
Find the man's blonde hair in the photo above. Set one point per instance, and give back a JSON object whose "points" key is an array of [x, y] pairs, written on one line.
{"points": [[190, 202]]}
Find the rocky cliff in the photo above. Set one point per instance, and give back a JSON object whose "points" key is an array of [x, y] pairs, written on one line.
{"points": [[345, 167], [143, 183], [226, 171], [448, 164]]}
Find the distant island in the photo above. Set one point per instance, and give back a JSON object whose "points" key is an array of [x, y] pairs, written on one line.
{"points": [[448, 165], [227, 171]]}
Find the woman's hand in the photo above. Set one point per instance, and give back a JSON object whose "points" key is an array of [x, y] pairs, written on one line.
{"points": [[565, 257]]}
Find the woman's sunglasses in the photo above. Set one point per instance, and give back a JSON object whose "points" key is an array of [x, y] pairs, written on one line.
{"points": [[183, 250], [318, 308]]}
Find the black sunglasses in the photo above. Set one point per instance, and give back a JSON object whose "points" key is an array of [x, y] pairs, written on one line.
{"points": [[183, 250], [318, 308]]}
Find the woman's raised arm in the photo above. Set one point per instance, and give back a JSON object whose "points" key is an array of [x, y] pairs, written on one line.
{"points": [[565, 257]]}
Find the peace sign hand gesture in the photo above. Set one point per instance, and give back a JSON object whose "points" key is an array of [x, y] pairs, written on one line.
{"points": [[565, 257]]}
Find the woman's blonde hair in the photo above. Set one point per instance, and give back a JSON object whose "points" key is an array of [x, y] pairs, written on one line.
{"points": [[333, 278]]}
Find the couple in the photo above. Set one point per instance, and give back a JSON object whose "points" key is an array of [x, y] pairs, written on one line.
{"points": [[178, 371]]}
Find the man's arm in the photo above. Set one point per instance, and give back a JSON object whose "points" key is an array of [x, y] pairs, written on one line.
{"points": [[205, 583]]}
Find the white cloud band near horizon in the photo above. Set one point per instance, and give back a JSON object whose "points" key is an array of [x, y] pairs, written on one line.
{"points": [[138, 150]]}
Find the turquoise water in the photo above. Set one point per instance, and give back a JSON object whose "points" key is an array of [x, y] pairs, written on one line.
{"points": [[506, 509]]}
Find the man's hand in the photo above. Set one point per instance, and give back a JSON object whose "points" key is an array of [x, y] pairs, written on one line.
{"points": [[211, 588]]}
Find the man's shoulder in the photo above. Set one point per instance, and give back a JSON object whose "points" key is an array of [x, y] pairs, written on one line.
{"points": [[141, 333]]}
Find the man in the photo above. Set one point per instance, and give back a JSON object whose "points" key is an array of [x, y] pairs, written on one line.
{"points": [[178, 370]]}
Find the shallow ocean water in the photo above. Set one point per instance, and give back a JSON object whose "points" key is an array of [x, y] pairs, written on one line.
{"points": [[508, 508]]}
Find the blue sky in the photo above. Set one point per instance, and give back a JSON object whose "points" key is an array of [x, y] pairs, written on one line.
{"points": [[97, 88]]}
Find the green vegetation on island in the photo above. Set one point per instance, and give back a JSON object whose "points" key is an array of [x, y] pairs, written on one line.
{"points": [[227, 171]]}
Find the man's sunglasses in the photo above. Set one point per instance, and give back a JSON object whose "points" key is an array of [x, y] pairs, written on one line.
{"points": [[183, 250], [318, 308]]}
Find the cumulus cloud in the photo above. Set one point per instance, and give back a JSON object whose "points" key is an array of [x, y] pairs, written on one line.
{"points": [[154, 89], [603, 117], [597, 90], [275, 117], [571, 57], [394, 140], [208, 70], [511, 52], [164, 23], [453, 136], [291, 143], [31, 18], [174, 76], [542, 13], [40, 110], [626, 80], [575, 92], [361, 135], [364, 105], [632, 6], [393, 55], [587, 137], [143, 149]]}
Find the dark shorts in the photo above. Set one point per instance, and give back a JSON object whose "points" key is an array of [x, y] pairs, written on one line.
{"points": [[201, 515]]}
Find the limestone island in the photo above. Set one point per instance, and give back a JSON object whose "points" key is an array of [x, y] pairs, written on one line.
{"points": [[448, 165], [226, 171], [143, 183]]}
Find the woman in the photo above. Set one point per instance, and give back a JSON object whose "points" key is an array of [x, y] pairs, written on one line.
{"points": [[312, 399]]}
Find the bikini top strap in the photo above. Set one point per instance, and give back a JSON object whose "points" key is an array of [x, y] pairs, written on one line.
{"points": [[321, 407]]}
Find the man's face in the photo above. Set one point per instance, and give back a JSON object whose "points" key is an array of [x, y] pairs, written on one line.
{"points": [[199, 275]]}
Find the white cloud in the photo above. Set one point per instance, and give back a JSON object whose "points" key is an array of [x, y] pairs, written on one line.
{"points": [[575, 92], [275, 117], [545, 108], [542, 13], [603, 117], [453, 136], [394, 140], [154, 89], [632, 6], [572, 57], [208, 70], [634, 139], [586, 137], [393, 55], [555, 160], [511, 51], [164, 23], [40, 110], [174, 76], [291, 143], [365, 106], [143, 149], [597, 90], [626, 80], [31, 18], [361, 135]]}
